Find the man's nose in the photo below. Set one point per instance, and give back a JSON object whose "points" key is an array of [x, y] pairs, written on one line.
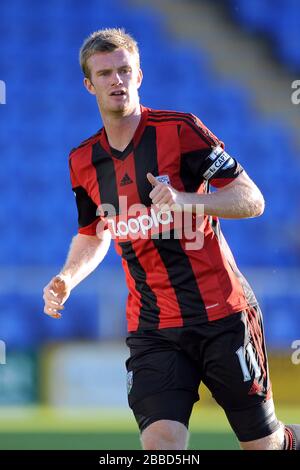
{"points": [[117, 79]]}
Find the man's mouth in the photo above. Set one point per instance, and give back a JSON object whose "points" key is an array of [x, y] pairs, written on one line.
{"points": [[118, 93]]}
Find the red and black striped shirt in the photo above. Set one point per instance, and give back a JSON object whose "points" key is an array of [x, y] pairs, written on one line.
{"points": [[169, 285]]}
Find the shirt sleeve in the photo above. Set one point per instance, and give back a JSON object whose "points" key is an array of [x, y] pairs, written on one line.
{"points": [[203, 156], [86, 207]]}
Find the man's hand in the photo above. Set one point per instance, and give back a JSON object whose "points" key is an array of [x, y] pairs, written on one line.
{"points": [[164, 196], [55, 295]]}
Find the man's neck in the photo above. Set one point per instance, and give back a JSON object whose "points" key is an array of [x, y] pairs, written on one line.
{"points": [[121, 129]]}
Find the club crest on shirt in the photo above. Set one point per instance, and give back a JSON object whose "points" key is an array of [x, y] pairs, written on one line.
{"points": [[163, 179], [129, 381]]}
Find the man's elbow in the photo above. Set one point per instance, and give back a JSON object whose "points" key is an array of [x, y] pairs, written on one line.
{"points": [[258, 205]]}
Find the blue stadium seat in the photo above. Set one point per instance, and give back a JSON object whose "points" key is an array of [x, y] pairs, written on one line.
{"points": [[18, 329], [277, 19], [53, 113], [281, 322]]}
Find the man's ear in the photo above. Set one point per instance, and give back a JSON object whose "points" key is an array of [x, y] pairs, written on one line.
{"points": [[140, 78], [89, 86]]}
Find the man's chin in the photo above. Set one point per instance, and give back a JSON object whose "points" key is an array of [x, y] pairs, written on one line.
{"points": [[119, 109], [122, 109]]}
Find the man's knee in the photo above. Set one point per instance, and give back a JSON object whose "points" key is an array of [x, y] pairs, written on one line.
{"points": [[165, 435], [274, 441]]}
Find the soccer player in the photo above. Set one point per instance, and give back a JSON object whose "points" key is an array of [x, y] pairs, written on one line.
{"points": [[191, 314]]}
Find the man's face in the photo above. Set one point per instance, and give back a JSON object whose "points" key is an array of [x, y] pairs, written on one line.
{"points": [[115, 80]]}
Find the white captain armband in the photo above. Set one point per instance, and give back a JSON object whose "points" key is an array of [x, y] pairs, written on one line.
{"points": [[220, 160]]}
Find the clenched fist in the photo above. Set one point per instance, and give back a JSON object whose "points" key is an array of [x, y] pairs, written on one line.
{"points": [[55, 295], [164, 196]]}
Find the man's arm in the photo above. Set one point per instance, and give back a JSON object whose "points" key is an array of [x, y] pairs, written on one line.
{"points": [[86, 253], [237, 200]]}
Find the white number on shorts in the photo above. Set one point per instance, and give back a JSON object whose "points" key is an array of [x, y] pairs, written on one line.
{"points": [[241, 355]]}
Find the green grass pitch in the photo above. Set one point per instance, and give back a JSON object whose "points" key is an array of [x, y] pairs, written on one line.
{"points": [[69, 429]]}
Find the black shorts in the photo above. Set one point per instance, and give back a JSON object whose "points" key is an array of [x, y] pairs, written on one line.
{"points": [[166, 366]]}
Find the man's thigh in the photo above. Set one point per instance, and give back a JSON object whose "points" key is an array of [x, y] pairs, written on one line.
{"points": [[162, 381], [235, 369]]}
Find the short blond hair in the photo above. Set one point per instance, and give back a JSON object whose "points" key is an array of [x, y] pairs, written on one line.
{"points": [[106, 40]]}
